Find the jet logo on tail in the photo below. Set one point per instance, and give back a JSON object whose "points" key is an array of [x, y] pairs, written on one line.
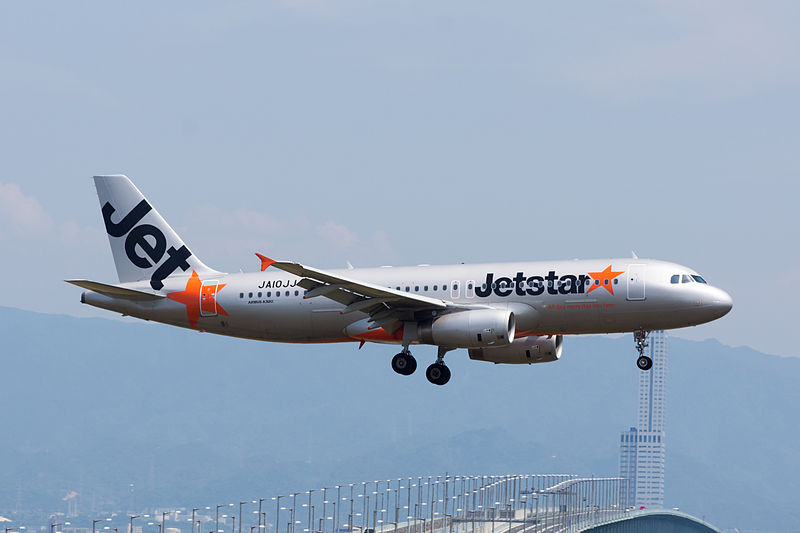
{"points": [[137, 241]]}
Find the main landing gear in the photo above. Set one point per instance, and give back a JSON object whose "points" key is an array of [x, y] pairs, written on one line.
{"points": [[437, 373], [404, 363], [640, 338]]}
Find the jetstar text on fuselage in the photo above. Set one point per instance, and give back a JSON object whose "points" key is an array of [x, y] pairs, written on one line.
{"points": [[552, 283]]}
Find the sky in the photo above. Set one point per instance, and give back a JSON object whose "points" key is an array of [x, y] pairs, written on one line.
{"points": [[407, 132]]}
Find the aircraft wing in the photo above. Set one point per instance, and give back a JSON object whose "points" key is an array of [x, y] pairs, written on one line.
{"points": [[387, 307]]}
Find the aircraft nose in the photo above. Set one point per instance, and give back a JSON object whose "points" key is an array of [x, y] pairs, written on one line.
{"points": [[722, 302]]}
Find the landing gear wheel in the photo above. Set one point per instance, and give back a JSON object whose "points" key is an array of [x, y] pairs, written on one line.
{"points": [[438, 374], [404, 363], [644, 363]]}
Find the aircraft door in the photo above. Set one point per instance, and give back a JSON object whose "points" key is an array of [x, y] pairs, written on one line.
{"points": [[636, 282], [208, 298]]}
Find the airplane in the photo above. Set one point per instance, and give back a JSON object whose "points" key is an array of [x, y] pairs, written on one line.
{"points": [[509, 313]]}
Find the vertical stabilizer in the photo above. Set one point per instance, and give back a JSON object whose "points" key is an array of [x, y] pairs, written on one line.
{"points": [[144, 246]]}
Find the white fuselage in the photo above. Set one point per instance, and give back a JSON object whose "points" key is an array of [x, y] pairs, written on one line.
{"points": [[547, 298]]}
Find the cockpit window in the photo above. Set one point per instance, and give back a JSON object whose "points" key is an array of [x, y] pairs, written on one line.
{"points": [[675, 279], [686, 278], [699, 279]]}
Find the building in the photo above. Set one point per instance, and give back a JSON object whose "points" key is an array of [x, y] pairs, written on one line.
{"points": [[641, 448]]}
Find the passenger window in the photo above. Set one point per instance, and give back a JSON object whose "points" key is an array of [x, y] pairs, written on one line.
{"points": [[436, 287], [444, 287], [408, 289], [287, 293], [425, 288], [250, 295], [297, 293], [259, 295], [241, 295], [675, 279], [416, 288], [277, 294], [269, 294], [470, 289], [398, 288], [455, 292]]}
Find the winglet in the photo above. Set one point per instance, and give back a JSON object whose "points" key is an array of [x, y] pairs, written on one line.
{"points": [[265, 261]]}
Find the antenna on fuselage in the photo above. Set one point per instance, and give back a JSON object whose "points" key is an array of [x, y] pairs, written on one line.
{"points": [[633, 255]]}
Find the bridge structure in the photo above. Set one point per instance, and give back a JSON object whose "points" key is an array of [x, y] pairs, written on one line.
{"points": [[521, 503]]}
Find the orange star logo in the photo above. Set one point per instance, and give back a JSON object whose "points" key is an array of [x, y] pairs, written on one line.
{"points": [[605, 278], [198, 299]]}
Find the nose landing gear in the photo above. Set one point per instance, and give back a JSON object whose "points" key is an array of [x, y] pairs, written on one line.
{"points": [[640, 338]]}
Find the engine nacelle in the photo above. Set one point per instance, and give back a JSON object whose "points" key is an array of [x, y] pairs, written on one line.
{"points": [[469, 329], [525, 350]]}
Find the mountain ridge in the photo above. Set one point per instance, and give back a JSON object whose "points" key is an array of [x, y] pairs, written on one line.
{"points": [[97, 404]]}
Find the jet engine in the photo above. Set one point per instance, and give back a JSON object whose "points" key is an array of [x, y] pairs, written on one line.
{"points": [[469, 329], [525, 350]]}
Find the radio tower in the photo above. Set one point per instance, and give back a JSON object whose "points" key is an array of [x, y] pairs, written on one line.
{"points": [[641, 448]]}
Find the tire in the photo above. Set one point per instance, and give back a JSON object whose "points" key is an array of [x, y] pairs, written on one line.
{"points": [[644, 363], [404, 364], [438, 374]]}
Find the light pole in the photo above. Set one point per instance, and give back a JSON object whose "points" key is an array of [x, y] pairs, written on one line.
{"points": [[53, 526], [194, 510], [130, 526], [389, 522], [97, 521], [240, 513], [260, 501], [450, 517], [278, 511], [216, 521], [310, 521], [294, 506]]}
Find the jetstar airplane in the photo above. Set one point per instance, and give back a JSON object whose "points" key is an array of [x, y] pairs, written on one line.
{"points": [[500, 312]]}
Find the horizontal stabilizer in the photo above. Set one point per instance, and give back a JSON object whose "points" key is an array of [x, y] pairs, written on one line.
{"points": [[115, 291]]}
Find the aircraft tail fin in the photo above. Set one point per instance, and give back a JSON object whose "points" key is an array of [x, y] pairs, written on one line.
{"points": [[144, 246]]}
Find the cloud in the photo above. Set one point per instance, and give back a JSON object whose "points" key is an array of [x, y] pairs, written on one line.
{"points": [[226, 239], [21, 215], [336, 235]]}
